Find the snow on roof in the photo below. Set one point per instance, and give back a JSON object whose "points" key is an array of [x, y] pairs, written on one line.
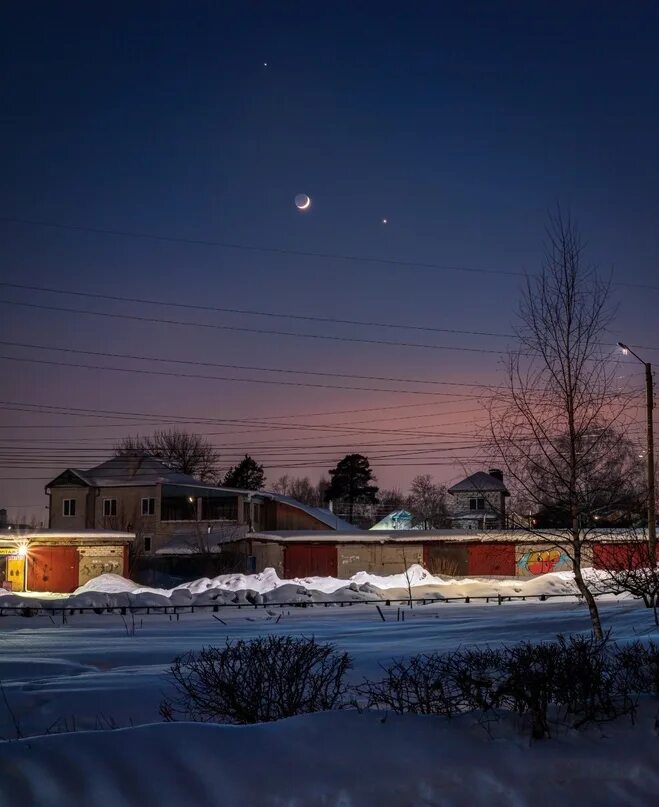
{"points": [[519, 536], [480, 482], [63, 535]]}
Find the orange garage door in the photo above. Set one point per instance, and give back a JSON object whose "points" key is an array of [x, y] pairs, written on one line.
{"points": [[52, 568]]}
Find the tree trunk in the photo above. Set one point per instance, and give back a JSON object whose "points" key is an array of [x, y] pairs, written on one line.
{"points": [[585, 592]]}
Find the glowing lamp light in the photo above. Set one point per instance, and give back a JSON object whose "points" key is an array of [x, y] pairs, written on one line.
{"points": [[191, 499], [624, 348], [22, 550]]}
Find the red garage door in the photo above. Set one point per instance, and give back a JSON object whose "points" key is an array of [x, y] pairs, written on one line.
{"points": [[52, 568], [616, 557], [307, 560], [494, 558]]}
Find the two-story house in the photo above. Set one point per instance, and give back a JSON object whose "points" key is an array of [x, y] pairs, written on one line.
{"points": [[143, 495], [480, 501]]}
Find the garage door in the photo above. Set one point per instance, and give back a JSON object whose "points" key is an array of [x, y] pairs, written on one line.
{"points": [[492, 559], [446, 559], [310, 560], [52, 568]]}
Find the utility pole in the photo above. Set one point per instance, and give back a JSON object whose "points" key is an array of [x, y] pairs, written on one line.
{"points": [[652, 501]]}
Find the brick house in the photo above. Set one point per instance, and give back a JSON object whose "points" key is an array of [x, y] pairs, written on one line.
{"points": [[480, 501]]}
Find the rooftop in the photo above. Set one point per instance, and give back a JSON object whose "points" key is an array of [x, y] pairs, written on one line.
{"points": [[480, 482]]}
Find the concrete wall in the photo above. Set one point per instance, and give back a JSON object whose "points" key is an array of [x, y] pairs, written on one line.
{"points": [[96, 560], [56, 519]]}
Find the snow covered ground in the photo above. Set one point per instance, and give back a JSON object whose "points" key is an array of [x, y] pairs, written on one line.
{"points": [[105, 671]]}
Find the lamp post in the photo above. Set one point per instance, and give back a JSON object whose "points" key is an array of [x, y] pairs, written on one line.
{"points": [[649, 402]]}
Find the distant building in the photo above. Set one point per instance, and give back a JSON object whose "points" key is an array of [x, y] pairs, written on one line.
{"points": [[480, 501], [398, 520], [141, 494]]}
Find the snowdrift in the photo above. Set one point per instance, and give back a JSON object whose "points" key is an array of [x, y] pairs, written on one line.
{"points": [[266, 587], [332, 758]]}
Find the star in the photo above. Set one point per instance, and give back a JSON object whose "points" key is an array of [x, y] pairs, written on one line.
{"points": [[385, 221]]}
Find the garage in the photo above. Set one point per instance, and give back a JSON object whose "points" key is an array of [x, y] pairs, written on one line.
{"points": [[310, 560], [60, 561]]}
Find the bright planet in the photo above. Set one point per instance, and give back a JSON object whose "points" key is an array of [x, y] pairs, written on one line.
{"points": [[302, 201]]}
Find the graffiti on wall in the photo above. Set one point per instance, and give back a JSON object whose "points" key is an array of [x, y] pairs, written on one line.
{"points": [[536, 561]]}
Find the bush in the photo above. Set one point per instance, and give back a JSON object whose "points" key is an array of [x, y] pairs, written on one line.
{"points": [[436, 685], [573, 681], [257, 681]]}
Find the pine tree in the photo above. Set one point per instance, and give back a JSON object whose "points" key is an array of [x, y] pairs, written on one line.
{"points": [[351, 481], [247, 475]]}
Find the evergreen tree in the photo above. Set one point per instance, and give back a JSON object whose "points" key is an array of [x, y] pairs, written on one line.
{"points": [[247, 475], [351, 482]]}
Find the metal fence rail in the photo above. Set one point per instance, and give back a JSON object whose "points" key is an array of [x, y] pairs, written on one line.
{"points": [[122, 610]]}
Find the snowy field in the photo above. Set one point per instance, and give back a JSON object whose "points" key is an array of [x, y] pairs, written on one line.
{"points": [[104, 672]]}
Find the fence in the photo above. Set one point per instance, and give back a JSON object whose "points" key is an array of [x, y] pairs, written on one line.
{"points": [[122, 610]]}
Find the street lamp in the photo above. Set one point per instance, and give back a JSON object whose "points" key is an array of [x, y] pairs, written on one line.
{"points": [[649, 402]]}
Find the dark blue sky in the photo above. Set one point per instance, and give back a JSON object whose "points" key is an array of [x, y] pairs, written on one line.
{"points": [[461, 123]]}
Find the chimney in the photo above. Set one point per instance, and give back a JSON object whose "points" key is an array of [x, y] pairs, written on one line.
{"points": [[496, 473]]}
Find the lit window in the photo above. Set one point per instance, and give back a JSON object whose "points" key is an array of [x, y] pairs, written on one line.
{"points": [[68, 507], [109, 507], [148, 507]]}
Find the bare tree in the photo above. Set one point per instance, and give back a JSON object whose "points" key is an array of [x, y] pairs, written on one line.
{"points": [[184, 452], [392, 499], [627, 567], [552, 426], [427, 503]]}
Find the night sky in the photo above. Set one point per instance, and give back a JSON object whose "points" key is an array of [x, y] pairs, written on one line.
{"points": [[462, 124]]}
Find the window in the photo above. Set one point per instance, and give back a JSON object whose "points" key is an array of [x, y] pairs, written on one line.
{"points": [[148, 507], [477, 504], [219, 509], [68, 507], [109, 507], [147, 539]]}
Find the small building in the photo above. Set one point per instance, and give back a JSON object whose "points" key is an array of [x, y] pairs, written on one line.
{"points": [[480, 501], [141, 494], [60, 561], [468, 553]]}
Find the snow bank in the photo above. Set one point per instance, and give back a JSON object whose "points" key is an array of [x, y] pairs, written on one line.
{"points": [[111, 590], [332, 758]]}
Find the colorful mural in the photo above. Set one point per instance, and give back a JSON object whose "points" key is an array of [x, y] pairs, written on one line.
{"points": [[537, 560]]}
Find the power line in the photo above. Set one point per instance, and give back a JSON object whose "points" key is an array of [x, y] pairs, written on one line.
{"points": [[251, 312], [274, 314], [282, 251], [244, 329], [199, 376], [197, 363]]}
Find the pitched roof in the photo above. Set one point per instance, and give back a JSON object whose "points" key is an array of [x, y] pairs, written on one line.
{"points": [[480, 482], [133, 469]]}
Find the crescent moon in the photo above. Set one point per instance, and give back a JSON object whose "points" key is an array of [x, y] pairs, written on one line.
{"points": [[302, 201]]}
